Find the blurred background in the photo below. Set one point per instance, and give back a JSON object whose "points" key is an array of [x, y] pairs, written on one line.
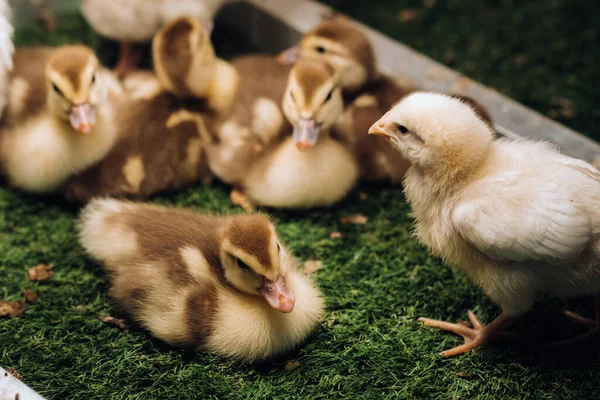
{"points": [[542, 53]]}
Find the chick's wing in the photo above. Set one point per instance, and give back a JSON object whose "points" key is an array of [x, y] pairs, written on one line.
{"points": [[517, 218]]}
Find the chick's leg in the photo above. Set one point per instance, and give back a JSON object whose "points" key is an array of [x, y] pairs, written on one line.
{"points": [[238, 198], [593, 325], [478, 336], [128, 60]]}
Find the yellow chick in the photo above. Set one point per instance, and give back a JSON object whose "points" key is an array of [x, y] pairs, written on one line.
{"points": [[516, 216], [220, 284], [58, 120]]}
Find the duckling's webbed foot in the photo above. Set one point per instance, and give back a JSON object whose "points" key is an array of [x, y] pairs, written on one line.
{"points": [[592, 325], [238, 198], [478, 336]]}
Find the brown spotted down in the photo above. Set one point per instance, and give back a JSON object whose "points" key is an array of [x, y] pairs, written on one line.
{"points": [[343, 32], [149, 156], [253, 235], [68, 60]]}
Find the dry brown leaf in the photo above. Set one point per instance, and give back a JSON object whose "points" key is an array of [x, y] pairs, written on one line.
{"points": [[407, 15], [461, 374], [12, 309], [113, 322], [40, 272], [30, 295], [335, 235], [291, 365], [312, 265], [14, 373], [354, 219], [363, 196]]}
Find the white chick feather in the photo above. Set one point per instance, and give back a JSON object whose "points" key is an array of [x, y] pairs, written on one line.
{"points": [[516, 216], [6, 51]]}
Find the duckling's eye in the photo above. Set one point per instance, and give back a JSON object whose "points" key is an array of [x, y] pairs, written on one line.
{"points": [[402, 129], [56, 89], [320, 49], [242, 265], [329, 96], [93, 79], [278, 248]]}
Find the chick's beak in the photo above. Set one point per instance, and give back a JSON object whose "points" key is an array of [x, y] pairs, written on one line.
{"points": [[278, 294], [83, 117], [290, 56], [380, 128], [306, 133]]}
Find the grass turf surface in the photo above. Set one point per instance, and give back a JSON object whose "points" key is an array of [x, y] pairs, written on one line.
{"points": [[377, 280]]}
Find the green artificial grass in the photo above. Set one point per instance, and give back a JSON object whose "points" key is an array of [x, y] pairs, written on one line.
{"points": [[377, 281]]}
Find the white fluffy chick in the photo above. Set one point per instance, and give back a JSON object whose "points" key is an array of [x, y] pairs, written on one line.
{"points": [[6, 52], [516, 216]]}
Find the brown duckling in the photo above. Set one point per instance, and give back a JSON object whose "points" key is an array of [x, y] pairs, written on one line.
{"points": [[305, 167], [58, 120], [164, 123], [367, 93], [226, 285]]}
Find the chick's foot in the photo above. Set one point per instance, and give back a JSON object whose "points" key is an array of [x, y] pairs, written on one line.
{"points": [[238, 198], [478, 336], [129, 59], [592, 325]]}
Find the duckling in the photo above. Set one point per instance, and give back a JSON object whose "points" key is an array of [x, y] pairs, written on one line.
{"points": [[7, 49], [308, 168], [226, 285], [138, 20], [255, 121], [58, 120], [367, 94], [166, 121]]}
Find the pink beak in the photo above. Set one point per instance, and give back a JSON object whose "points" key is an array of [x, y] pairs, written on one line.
{"points": [[290, 56], [278, 294], [82, 117]]}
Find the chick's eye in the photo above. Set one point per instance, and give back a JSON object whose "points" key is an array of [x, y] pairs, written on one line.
{"points": [[402, 129], [242, 265], [320, 49], [329, 96], [56, 89]]}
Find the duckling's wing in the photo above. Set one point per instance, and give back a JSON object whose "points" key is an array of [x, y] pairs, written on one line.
{"points": [[512, 218]]}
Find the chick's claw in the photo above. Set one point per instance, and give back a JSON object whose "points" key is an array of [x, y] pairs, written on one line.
{"points": [[478, 336]]}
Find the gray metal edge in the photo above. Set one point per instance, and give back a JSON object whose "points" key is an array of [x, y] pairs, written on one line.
{"points": [[273, 25], [12, 388]]}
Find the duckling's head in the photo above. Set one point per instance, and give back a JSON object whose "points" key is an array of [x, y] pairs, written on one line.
{"points": [[312, 101], [255, 262], [343, 46], [73, 89], [184, 58], [439, 133]]}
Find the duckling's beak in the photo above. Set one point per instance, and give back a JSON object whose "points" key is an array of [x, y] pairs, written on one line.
{"points": [[306, 133], [381, 129], [82, 117], [290, 56], [278, 294]]}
